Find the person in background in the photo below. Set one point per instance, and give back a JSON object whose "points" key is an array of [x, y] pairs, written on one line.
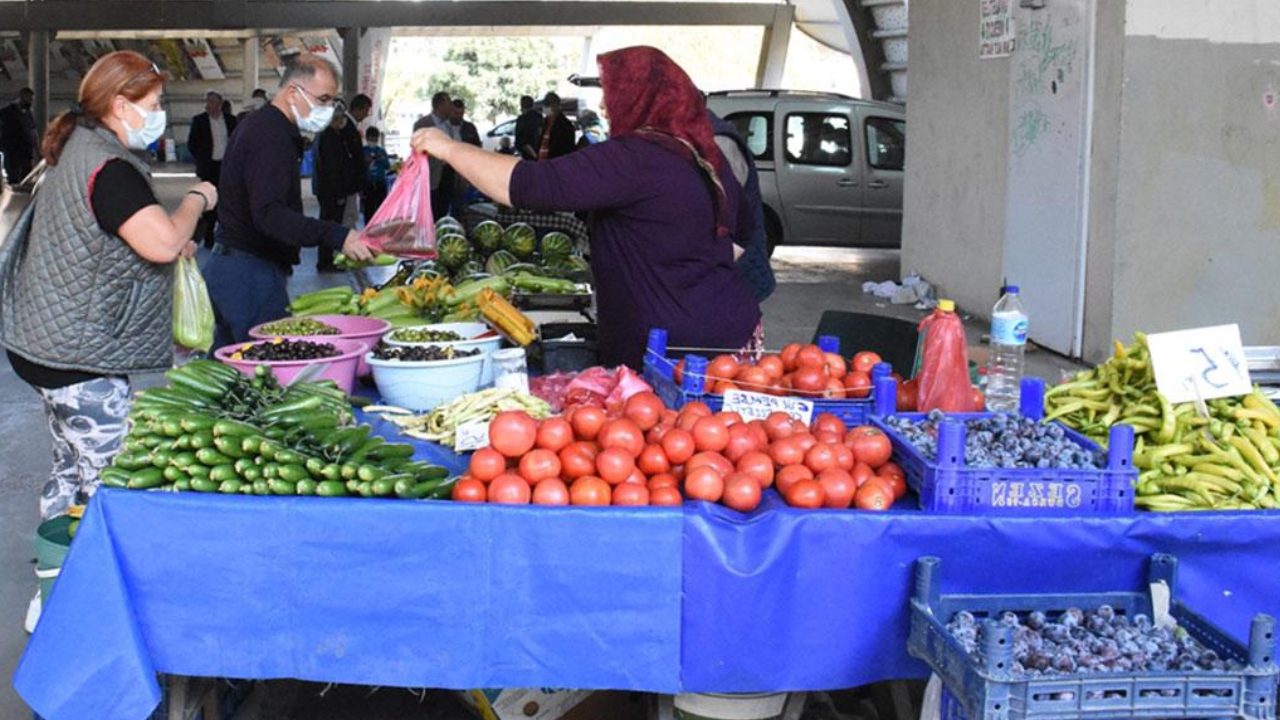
{"points": [[751, 251], [256, 102], [261, 211], [665, 210], [592, 129], [338, 177], [442, 176], [467, 131], [18, 136], [557, 131], [97, 220], [353, 136], [207, 141], [505, 147], [528, 129], [378, 166]]}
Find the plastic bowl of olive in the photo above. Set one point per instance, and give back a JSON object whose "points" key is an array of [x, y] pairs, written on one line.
{"points": [[420, 377], [287, 357], [464, 336], [367, 330]]}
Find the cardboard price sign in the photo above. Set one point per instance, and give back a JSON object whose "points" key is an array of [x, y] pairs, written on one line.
{"points": [[471, 436], [757, 406], [1200, 364]]}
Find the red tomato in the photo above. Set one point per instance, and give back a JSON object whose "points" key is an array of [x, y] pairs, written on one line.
{"points": [[487, 464], [623, 434], [757, 465], [844, 457], [787, 452], [820, 457], [865, 360], [875, 495], [892, 469], [908, 396], [509, 489], [577, 460], [665, 497], [977, 400], [587, 422], [723, 386], [810, 380], [789, 353], [870, 446], [710, 434], [512, 433], [790, 475], [723, 367], [811, 356], [686, 421], [862, 472], [615, 465], [728, 418], [828, 438], [669, 417], [806, 494], [469, 490], [715, 461], [644, 409], [661, 481], [835, 390], [677, 471], [839, 488], [630, 494], [805, 440], [741, 492], [896, 483], [754, 379], [857, 384], [826, 422], [741, 442], [704, 483], [678, 445], [653, 461], [589, 491], [656, 433], [778, 426], [551, 491], [539, 465], [836, 365], [759, 433], [696, 408], [554, 434], [772, 367]]}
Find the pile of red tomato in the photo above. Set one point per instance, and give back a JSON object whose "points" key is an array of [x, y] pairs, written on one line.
{"points": [[651, 455], [800, 370]]}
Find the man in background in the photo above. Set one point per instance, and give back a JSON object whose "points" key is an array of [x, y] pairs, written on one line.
{"points": [[442, 176], [467, 131], [257, 101], [377, 167], [528, 130], [339, 176], [18, 136], [207, 141], [557, 131]]}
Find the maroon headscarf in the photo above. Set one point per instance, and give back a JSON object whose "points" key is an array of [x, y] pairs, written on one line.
{"points": [[647, 94]]}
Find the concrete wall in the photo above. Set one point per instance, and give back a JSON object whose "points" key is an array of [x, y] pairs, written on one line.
{"points": [[954, 211], [1198, 198]]}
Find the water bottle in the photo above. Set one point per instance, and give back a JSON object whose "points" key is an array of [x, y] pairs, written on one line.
{"points": [[1008, 341]]}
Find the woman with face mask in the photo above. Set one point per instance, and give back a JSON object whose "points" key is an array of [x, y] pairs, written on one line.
{"points": [[90, 301]]}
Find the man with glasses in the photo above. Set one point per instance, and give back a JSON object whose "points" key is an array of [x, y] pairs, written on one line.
{"points": [[262, 225]]}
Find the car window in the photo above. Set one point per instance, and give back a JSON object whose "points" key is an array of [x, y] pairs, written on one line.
{"points": [[886, 143], [757, 130], [819, 139], [506, 128]]}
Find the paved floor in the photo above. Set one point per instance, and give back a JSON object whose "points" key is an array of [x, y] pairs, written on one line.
{"points": [[810, 280]]}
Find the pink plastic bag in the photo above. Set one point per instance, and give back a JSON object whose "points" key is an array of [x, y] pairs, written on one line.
{"points": [[404, 225], [944, 372]]}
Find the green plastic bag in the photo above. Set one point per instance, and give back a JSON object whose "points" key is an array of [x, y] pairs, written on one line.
{"points": [[192, 310]]}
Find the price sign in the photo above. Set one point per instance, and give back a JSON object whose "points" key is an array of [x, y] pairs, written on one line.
{"points": [[1204, 363], [758, 406], [471, 436]]}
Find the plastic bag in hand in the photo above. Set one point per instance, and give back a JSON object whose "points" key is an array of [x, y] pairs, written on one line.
{"points": [[944, 372], [192, 310], [403, 224]]}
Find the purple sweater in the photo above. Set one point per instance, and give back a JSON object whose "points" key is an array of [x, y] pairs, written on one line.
{"points": [[654, 252]]}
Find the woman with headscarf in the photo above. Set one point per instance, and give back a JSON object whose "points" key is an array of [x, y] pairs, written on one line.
{"points": [[665, 210]]}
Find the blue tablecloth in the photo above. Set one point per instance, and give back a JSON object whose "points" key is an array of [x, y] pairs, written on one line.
{"points": [[699, 598]]}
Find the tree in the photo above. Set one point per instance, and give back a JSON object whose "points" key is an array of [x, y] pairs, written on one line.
{"points": [[490, 74]]}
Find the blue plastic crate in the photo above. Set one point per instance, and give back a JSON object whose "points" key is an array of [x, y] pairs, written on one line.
{"points": [[989, 691], [659, 371], [946, 485]]}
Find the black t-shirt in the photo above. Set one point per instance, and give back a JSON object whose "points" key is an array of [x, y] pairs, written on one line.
{"points": [[118, 192]]}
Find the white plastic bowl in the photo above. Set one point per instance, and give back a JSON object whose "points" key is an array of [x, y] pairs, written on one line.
{"points": [[487, 346], [421, 386]]}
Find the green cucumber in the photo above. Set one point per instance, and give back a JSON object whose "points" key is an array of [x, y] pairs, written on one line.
{"points": [[173, 474], [209, 456], [146, 479], [292, 473], [202, 439], [306, 487], [283, 487], [331, 488], [204, 485], [234, 427], [132, 460], [230, 487], [196, 470], [261, 487], [223, 473], [161, 458], [115, 477], [182, 485], [229, 446]]}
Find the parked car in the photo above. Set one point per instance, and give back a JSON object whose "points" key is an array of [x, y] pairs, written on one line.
{"points": [[830, 166]]}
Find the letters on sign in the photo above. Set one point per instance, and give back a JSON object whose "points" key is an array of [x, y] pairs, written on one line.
{"points": [[758, 406], [1200, 364]]}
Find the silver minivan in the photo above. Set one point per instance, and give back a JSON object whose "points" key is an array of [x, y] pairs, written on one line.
{"points": [[830, 166]]}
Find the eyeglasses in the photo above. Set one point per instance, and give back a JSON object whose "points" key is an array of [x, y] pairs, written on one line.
{"points": [[322, 99]]}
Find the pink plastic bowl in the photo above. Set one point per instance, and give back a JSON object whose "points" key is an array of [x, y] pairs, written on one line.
{"points": [[350, 327], [341, 369]]}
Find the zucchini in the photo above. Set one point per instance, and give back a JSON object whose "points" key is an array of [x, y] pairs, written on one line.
{"points": [[209, 456], [331, 488], [146, 479], [204, 485]]}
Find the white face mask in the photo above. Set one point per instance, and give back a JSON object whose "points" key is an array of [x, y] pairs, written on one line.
{"points": [[153, 124], [318, 120]]}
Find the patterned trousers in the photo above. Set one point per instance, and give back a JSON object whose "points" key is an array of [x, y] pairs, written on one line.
{"points": [[87, 421]]}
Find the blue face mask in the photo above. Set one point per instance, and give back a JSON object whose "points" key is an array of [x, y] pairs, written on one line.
{"points": [[153, 124], [318, 120]]}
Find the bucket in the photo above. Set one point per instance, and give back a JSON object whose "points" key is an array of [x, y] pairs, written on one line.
{"points": [[52, 543], [741, 706]]}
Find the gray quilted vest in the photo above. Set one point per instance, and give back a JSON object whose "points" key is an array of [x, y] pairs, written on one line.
{"points": [[82, 299]]}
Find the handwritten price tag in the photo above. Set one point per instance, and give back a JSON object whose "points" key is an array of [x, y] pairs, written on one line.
{"points": [[757, 406], [471, 436], [1200, 364]]}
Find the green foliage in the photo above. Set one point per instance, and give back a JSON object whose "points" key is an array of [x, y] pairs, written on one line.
{"points": [[490, 74]]}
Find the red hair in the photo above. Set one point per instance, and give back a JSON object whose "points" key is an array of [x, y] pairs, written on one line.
{"points": [[119, 73]]}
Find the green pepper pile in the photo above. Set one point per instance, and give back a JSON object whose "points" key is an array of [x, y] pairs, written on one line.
{"points": [[1228, 459], [217, 430]]}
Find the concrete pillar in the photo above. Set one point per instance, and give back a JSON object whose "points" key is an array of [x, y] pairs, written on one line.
{"points": [[350, 62], [587, 67], [249, 83], [773, 48], [38, 76]]}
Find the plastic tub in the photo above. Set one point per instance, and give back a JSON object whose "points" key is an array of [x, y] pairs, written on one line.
{"points": [[341, 368], [350, 327], [487, 345], [53, 541], [421, 386], [716, 706]]}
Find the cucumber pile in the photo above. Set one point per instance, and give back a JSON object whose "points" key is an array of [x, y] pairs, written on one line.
{"points": [[217, 430]]}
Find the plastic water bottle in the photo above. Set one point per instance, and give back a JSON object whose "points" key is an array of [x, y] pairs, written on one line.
{"points": [[1008, 341]]}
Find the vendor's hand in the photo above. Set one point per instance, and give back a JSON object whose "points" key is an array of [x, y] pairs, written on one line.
{"points": [[431, 141], [353, 247], [189, 250], [210, 193]]}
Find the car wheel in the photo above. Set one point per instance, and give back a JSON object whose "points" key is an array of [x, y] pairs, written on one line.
{"points": [[772, 232]]}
